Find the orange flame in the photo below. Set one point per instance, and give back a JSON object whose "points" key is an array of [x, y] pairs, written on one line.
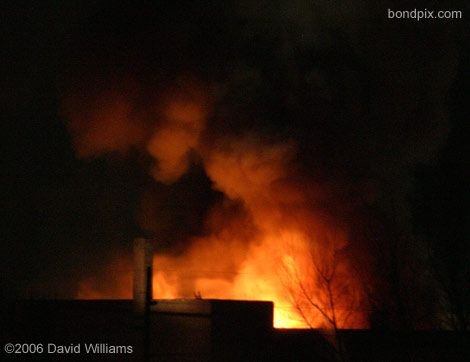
{"points": [[285, 249], [279, 268]]}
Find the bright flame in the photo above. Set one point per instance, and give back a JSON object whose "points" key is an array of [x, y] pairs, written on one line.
{"points": [[277, 269], [280, 245], [259, 278]]}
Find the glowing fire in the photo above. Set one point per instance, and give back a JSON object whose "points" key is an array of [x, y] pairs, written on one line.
{"points": [[260, 277], [274, 269], [281, 244]]}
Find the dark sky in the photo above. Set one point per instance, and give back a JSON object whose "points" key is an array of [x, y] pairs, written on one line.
{"points": [[374, 105]]}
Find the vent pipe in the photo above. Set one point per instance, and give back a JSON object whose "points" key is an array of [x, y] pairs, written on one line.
{"points": [[142, 288]]}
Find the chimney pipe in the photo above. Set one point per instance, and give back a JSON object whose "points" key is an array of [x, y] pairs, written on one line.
{"points": [[142, 291]]}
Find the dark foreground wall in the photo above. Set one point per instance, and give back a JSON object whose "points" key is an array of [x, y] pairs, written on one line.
{"points": [[366, 345], [198, 330], [179, 330]]}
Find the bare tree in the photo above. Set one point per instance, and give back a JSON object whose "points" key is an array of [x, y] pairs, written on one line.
{"points": [[451, 286], [322, 295]]}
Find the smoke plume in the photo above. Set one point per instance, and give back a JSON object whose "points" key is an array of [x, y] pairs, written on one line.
{"points": [[304, 135]]}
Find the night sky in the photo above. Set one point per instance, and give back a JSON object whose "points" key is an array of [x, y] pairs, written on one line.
{"points": [[378, 110]]}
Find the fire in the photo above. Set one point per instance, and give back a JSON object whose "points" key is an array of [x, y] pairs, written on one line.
{"points": [[280, 243], [271, 271], [259, 278]]}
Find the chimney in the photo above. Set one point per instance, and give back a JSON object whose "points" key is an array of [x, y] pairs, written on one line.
{"points": [[142, 291]]}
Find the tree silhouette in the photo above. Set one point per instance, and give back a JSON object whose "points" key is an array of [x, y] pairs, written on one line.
{"points": [[323, 291]]}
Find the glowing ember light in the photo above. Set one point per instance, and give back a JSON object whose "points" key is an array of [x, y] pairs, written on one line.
{"points": [[268, 273], [268, 240]]}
